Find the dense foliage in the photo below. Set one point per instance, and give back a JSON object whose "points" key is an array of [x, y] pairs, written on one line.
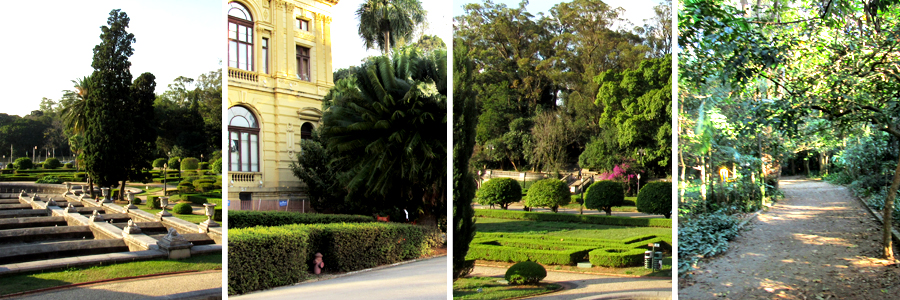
{"points": [[550, 193], [23, 163], [499, 191], [464, 114], [526, 272], [603, 195], [246, 218], [705, 235], [655, 198]]}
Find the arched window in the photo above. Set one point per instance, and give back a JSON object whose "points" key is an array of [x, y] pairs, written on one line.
{"points": [[306, 131], [243, 133], [240, 37]]}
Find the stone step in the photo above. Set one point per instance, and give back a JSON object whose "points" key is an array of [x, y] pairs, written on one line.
{"points": [[50, 250], [89, 210], [16, 223], [86, 260], [35, 234], [116, 218], [14, 206], [10, 201], [24, 213], [196, 238], [148, 228]]}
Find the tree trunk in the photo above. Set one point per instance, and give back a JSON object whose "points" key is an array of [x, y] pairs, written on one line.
{"points": [[387, 43], [122, 191], [806, 165], [888, 214], [703, 179], [91, 187]]}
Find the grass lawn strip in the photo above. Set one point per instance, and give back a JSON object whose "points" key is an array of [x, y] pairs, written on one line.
{"points": [[34, 281], [565, 229], [467, 288]]}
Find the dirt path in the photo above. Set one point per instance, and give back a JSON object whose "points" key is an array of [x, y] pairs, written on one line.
{"points": [[817, 243]]}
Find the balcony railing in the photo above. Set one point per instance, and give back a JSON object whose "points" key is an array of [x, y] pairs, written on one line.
{"points": [[245, 179], [243, 75]]}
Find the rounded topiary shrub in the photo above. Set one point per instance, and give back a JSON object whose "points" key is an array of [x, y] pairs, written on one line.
{"points": [[23, 163], [159, 163], [49, 179], [69, 165], [189, 163], [9, 166], [52, 163], [603, 195], [185, 187], [183, 208], [153, 202], [203, 166], [526, 272], [175, 163], [217, 166], [136, 201], [500, 191], [551, 193], [655, 198]]}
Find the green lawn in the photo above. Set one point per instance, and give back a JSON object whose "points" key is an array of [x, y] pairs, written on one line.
{"points": [[564, 229], [467, 288], [34, 281], [196, 219]]}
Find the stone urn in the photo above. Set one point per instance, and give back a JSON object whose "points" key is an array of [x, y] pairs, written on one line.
{"points": [[130, 196], [105, 192], [68, 187], [164, 201], [210, 210]]}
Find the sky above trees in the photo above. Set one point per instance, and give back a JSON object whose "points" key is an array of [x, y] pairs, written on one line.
{"points": [[635, 10], [174, 38]]}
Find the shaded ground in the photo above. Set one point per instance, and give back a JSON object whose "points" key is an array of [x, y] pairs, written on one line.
{"points": [[584, 286], [818, 243], [198, 285]]}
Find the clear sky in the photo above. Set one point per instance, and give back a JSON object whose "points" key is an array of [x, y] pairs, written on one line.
{"points": [[636, 11], [348, 49], [52, 42]]}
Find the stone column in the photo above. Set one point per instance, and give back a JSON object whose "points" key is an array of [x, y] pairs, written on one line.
{"points": [[290, 45], [326, 36], [320, 49]]}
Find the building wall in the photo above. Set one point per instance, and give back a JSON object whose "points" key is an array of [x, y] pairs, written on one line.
{"points": [[281, 101]]}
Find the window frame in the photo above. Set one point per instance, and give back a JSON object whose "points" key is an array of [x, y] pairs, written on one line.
{"points": [[250, 131], [248, 25], [303, 60], [265, 55]]}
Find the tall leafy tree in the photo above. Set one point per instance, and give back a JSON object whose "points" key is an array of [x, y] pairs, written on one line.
{"points": [[464, 113], [383, 23], [115, 147]]}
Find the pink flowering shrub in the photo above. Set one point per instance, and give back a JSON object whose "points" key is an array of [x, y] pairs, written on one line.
{"points": [[623, 173]]}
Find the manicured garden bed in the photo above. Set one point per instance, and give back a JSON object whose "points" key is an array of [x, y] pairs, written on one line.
{"points": [[573, 218], [488, 288]]}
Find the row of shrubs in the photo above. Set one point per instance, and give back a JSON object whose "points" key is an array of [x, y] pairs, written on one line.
{"points": [[190, 163], [573, 218], [24, 163], [569, 251], [249, 218], [265, 257]]}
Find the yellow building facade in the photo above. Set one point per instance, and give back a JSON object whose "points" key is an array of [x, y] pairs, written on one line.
{"points": [[279, 70]]}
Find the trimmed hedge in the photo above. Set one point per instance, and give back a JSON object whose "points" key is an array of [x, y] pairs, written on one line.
{"points": [[52, 163], [190, 163], [617, 257], [249, 218], [204, 166], [499, 191], [153, 202], [573, 218], [526, 272], [23, 163], [183, 208], [265, 257], [196, 199], [655, 198], [490, 250], [69, 165]]}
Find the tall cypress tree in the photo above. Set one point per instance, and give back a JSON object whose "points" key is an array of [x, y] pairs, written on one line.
{"points": [[117, 137], [465, 117]]}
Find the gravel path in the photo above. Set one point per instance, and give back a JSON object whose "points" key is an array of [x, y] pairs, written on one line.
{"points": [[198, 285], [817, 243], [585, 286]]}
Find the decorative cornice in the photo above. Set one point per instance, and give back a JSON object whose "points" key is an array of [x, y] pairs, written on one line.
{"points": [[327, 19]]}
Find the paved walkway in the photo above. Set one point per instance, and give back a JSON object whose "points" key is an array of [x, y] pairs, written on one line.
{"points": [[585, 286], [519, 206], [197, 285], [817, 243], [426, 279]]}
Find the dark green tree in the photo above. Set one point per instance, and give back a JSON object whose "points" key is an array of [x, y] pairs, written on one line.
{"points": [[464, 121], [115, 149], [603, 195]]}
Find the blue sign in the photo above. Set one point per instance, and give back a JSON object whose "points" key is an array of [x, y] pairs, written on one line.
{"points": [[229, 203], [282, 202]]}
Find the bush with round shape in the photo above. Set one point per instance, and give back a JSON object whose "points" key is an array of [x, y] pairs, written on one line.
{"points": [[69, 165], [23, 163], [500, 191], [185, 187], [49, 179], [217, 166], [551, 193], [655, 198], [52, 163], [175, 163], [526, 272], [159, 163], [203, 166], [153, 202], [603, 195], [190, 163], [9, 166], [183, 208], [136, 201]]}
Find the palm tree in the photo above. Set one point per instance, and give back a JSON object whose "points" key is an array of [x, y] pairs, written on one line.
{"points": [[74, 115], [391, 128], [382, 23]]}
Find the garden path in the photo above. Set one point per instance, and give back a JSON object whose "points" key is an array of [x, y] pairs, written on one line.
{"points": [[194, 285], [586, 286], [817, 243]]}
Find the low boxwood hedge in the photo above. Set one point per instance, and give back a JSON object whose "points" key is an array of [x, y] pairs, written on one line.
{"points": [[617, 257], [573, 218], [249, 218], [264, 257]]}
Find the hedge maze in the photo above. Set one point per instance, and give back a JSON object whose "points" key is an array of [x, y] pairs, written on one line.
{"points": [[543, 249]]}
